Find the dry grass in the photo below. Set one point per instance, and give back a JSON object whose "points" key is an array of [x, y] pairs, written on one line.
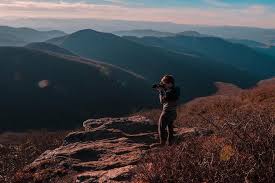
{"points": [[14, 156], [242, 149]]}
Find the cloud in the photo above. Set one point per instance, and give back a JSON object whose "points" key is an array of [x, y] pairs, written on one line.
{"points": [[256, 9], [217, 3], [254, 15]]}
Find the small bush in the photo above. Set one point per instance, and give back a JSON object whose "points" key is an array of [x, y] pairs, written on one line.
{"points": [[242, 149], [13, 157]]}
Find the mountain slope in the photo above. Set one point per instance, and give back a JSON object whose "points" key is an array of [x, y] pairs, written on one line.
{"points": [[142, 33], [42, 90], [269, 50], [189, 33], [260, 47], [7, 39], [237, 55], [10, 36], [249, 43], [194, 73], [42, 46], [238, 32], [154, 33]]}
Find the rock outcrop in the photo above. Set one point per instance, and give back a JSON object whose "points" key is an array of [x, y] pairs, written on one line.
{"points": [[106, 151]]}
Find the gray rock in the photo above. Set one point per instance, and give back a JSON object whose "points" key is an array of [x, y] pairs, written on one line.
{"points": [[106, 151]]}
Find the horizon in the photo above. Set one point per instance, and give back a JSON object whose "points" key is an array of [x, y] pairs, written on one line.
{"points": [[131, 29], [253, 13]]}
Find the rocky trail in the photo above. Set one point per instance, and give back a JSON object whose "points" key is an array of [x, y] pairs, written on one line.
{"points": [[106, 151]]}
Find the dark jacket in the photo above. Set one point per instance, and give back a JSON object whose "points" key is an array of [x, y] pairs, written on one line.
{"points": [[168, 98]]}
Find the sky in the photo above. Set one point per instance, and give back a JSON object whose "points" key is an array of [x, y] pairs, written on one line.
{"points": [[255, 13]]}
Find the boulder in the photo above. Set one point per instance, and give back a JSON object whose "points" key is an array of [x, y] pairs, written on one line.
{"points": [[106, 151]]}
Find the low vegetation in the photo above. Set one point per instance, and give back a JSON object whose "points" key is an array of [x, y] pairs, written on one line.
{"points": [[25, 148], [242, 149]]}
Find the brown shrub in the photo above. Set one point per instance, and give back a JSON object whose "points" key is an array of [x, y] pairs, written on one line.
{"points": [[193, 162], [13, 157], [242, 150]]}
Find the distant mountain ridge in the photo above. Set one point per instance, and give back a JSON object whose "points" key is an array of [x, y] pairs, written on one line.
{"points": [[196, 74], [260, 47], [264, 35], [246, 42], [10, 36], [218, 49], [190, 33], [153, 33], [142, 33]]}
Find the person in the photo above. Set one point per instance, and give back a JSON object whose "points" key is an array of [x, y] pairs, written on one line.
{"points": [[169, 96]]}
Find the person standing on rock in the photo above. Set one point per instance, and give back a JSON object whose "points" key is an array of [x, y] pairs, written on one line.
{"points": [[168, 95]]}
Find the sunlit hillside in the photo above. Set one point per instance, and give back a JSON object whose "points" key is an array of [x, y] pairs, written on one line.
{"points": [[241, 149]]}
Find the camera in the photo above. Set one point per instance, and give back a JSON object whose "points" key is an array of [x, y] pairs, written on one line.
{"points": [[159, 85]]}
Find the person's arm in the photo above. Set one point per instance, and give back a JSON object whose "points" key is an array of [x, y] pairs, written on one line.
{"points": [[161, 96]]}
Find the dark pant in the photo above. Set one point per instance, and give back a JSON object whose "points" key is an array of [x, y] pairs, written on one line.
{"points": [[165, 128]]}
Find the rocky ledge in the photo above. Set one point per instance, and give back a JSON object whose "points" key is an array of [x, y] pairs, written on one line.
{"points": [[106, 151]]}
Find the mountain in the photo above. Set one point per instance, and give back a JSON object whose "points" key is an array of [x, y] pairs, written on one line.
{"points": [[10, 36], [195, 74], [249, 43], [263, 35], [260, 47], [47, 90], [267, 50], [143, 33], [7, 39], [153, 33], [47, 47], [238, 32], [220, 50], [189, 33]]}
